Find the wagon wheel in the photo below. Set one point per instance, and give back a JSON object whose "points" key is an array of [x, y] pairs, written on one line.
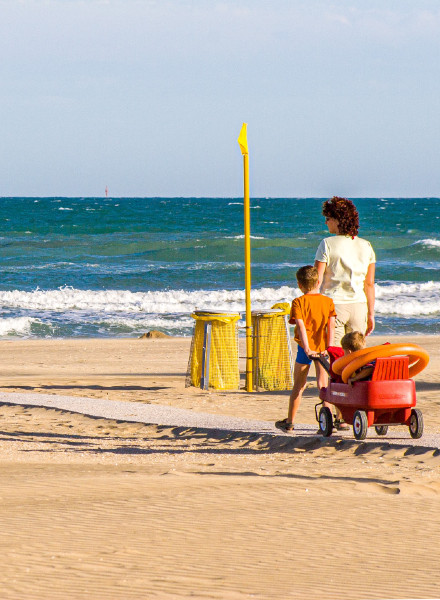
{"points": [[325, 421], [360, 425], [416, 423], [381, 429]]}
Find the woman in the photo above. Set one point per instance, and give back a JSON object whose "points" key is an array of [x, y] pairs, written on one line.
{"points": [[346, 265]]}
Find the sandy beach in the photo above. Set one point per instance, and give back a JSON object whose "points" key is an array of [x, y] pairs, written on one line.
{"points": [[98, 508]]}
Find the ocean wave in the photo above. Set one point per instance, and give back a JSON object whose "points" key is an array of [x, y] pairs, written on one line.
{"points": [[208, 266], [153, 321], [406, 299], [428, 243], [137, 269], [124, 301], [42, 267], [405, 266], [16, 325], [241, 237]]}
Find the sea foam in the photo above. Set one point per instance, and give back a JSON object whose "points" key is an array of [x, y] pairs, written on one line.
{"points": [[408, 299], [162, 302], [428, 243], [16, 325]]}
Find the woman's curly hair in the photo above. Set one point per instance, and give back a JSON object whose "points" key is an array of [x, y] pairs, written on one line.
{"points": [[344, 211]]}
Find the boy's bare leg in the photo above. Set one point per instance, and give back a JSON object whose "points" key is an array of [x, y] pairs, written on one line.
{"points": [[300, 373]]}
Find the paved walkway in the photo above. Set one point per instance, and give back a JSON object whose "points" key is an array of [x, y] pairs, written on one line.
{"points": [[154, 414]]}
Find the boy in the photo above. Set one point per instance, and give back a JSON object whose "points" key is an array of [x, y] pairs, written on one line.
{"points": [[351, 342], [314, 315]]}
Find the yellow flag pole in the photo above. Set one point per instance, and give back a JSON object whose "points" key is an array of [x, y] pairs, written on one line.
{"points": [[242, 140]]}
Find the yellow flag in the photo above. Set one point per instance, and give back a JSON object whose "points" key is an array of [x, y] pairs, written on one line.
{"points": [[242, 139]]}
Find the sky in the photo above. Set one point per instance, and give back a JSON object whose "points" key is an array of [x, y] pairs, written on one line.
{"points": [[148, 97]]}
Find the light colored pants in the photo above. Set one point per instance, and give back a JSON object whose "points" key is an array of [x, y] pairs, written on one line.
{"points": [[350, 317]]}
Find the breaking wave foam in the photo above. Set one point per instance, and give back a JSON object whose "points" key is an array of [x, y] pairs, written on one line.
{"points": [[124, 301], [406, 299], [428, 243], [16, 325]]}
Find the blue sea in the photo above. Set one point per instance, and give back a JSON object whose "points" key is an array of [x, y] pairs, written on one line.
{"points": [[97, 267]]}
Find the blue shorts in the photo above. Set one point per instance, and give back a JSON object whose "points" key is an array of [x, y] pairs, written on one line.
{"points": [[302, 358]]}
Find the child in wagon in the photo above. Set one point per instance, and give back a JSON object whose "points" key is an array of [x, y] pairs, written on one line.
{"points": [[351, 342]]}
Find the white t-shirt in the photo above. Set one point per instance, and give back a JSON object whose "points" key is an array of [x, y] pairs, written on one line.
{"points": [[347, 261]]}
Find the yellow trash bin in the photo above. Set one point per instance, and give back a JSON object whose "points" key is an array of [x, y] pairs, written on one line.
{"points": [[272, 350], [213, 360]]}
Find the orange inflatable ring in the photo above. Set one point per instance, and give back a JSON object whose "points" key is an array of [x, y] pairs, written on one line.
{"points": [[347, 365]]}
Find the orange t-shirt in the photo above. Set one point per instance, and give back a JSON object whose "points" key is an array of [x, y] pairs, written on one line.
{"points": [[315, 310]]}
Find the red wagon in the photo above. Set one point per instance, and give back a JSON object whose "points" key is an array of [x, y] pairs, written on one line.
{"points": [[387, 399]]}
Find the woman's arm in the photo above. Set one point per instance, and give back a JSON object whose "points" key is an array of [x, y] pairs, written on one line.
{"points": [[330, 331], [369, 292], [321, 269]]}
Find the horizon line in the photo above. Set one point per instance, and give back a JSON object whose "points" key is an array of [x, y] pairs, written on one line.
{"points": [[82, 197]]}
